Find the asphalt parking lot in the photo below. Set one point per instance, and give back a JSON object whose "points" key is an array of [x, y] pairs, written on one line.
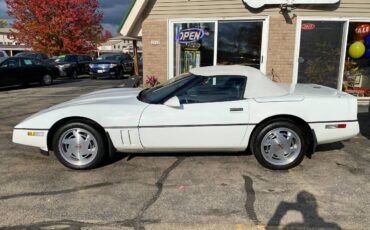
{"points": [[170, 191]]}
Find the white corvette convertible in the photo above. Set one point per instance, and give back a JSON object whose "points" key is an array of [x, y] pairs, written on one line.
{"points": [[221, 108]]}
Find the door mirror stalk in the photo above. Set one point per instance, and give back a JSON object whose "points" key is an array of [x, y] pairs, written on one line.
{"points": [[173, 102]]}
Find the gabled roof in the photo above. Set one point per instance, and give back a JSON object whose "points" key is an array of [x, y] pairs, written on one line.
{"points": [[131, 22]]}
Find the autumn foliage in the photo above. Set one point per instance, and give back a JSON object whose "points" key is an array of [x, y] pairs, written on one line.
{"points": [[57, 26]]}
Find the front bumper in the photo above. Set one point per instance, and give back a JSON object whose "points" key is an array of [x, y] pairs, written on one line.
{"points": [[21, 136], [64, 71], [103, 72]]}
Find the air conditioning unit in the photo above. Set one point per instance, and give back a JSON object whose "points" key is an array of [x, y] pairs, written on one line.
{"points": [[260, 3]]}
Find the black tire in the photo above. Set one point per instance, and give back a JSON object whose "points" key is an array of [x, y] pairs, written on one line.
{"points": [[100, 144], [263, 130], [74, 74], [119, 74], [47, 79]]}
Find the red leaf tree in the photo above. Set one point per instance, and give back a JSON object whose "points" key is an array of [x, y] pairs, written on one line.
{"points": [[57, 26]]}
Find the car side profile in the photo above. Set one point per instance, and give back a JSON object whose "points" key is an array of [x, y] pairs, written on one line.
{"points": [[24, 71], [218, 108]]}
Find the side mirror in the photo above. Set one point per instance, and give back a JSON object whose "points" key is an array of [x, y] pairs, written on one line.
{"points": [[173, 102]]}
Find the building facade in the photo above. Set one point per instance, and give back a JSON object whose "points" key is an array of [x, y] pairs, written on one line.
{"points": [[8, 44], [119, 44], [323, 41]]}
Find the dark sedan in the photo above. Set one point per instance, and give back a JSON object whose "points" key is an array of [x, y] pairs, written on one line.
{"points": [[111, 65], [23, 71]]}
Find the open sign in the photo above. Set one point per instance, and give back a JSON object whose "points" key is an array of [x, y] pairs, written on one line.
{"points": [[191, 35], [308, 26]]}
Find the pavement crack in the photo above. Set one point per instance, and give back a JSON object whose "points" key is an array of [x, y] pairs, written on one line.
{"points": [[251, 199], [138, 223], [51, 193]]}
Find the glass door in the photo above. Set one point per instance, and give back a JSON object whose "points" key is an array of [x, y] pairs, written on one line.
{"points": [[321, 52]]}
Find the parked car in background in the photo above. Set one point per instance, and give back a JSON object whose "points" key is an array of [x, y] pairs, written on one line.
{"points": [[36, 55], [217, 108], [23, 70], [3, 55], [112, 65], [72, 65]]}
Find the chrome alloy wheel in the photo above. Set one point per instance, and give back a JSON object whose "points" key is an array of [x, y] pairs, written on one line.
{"points": [[78, 146], [281, 146]]}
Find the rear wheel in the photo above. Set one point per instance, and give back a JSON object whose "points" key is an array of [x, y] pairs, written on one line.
{"points": [[279, 145], [47, 79], [74, 74], [79, 146]]}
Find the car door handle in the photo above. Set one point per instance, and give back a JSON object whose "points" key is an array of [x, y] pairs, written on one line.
{"points": [[236, 109]]}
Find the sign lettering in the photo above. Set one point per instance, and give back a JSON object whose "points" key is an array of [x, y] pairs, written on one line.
{"points": [[191, 35]]}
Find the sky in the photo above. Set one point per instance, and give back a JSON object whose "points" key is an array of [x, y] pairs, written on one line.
{"points": [[113, 11]]}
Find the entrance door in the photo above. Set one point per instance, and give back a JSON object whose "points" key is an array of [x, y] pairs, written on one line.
{"points": [[320, 54]]}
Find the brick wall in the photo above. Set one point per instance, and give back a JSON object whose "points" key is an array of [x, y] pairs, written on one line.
{"points": [[155, 49], [280, 55]]}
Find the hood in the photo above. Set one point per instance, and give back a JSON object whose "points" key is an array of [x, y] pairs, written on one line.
{"points": [[107, 96], [127, 96], [105, 62]]}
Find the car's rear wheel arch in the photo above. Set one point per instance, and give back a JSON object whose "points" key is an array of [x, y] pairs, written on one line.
{"points": [[83, 120], [288, 118]]}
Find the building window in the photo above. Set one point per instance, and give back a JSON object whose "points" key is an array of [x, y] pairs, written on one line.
{"points": [[356, 78], [239, 42], [194, 46], [320, 52]]}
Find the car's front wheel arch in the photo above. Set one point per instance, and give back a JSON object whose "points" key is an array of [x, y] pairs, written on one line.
{"points": [[67, 120]]}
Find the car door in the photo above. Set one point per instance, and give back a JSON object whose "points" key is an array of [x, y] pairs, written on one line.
{"points": [[29, 71], [213, 116], [9, 72]]}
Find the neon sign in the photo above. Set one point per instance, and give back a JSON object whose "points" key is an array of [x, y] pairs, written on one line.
{"points": [[188, 36]]}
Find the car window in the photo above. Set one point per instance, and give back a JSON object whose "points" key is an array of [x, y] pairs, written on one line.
{"points": [[10, 63], [2, 54], [80, 58], [27, 62], [214, 89], [37, 62], [70, 58]]}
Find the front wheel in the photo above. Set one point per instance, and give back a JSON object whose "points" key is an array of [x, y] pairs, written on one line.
{"points": [[279, 145], [79, 146]]}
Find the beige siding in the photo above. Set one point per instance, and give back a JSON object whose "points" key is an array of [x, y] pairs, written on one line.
{"points": [[163, 9]]}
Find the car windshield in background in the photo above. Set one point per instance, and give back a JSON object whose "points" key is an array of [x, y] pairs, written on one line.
{"points": [[159, 93], [110, 57], [60, 59]]}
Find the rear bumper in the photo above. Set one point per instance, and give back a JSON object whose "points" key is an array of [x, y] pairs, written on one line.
{"points": [[21, 136], [326, 135]]}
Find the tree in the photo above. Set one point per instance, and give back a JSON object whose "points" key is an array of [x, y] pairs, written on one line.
{"points": [[3, 23], [57, 26]]}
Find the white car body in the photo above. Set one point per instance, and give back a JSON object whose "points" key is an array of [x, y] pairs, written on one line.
{"points": [[135, 126]]}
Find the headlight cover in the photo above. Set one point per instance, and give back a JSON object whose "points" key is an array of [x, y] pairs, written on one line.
{"points": [[112, 65]]}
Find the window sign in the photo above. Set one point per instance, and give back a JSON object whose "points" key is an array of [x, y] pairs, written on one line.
{"points": [[192, 35], [356, 79], [194, 46]]}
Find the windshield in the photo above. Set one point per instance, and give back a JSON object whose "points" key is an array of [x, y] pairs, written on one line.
{"points": [[110, 57], [162, 92], [60, 58]]}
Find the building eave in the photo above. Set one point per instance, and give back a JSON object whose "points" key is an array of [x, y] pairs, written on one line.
{"points": [[131, 19]]}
